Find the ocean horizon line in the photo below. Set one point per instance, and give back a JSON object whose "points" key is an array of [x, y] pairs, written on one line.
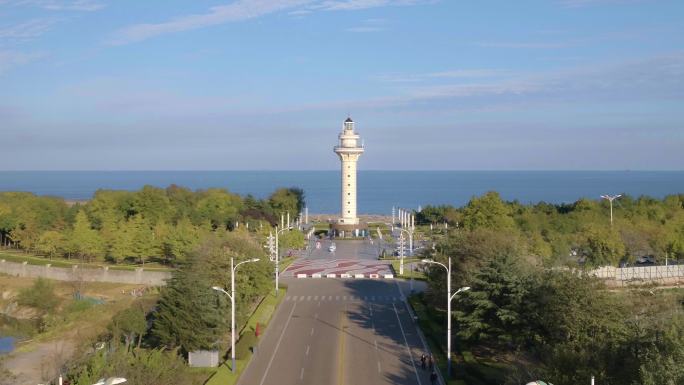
{"points": [[361, 170]]}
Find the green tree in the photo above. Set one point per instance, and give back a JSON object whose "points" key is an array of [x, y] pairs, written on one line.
{"points": [[286, 200], [290, 240], [487, 211], [219, 207], [129, 323], [85, 241], [604, 246], [50, 243], [189, 315], [494, 308]]}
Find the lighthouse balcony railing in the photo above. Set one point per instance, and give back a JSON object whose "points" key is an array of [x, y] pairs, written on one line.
{"points": [[349, 148]]}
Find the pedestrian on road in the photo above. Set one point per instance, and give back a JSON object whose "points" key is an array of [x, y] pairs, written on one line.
{"points": [[431, 363], [423, 357], [433, 377]]}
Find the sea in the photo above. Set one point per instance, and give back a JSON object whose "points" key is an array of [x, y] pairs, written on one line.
{"points": [[378, 191]]}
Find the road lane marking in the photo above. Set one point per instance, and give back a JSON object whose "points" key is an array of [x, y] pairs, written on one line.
{"points": [[340, 361], [301, 374], [316, 298], [319, 303], [330, 298], [316, 315], [282, 334], [307, 350], [337, 298], [379, 369], [312, 331], [344, 298], [308, 298], [407, 345]]}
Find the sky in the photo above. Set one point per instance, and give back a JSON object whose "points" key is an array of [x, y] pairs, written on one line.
{"points": [[266, 84]]}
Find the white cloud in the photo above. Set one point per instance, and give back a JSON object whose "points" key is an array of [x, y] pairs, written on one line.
{"points": [[364, 29], [352, 5], [470, 73], [27, 30], [646, 78], [240, 10], [11, 59], [236, 11], [522, 45], [584, 3], [64, 5], [369, 25]]}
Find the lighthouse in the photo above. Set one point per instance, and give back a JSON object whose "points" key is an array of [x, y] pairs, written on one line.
{"points": [[349, 149]]}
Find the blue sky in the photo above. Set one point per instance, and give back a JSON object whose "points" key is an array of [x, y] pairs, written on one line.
{"points": [[266, 84]]}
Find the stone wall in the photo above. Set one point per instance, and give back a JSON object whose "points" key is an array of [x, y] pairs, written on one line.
{"points": [[137, 277]]}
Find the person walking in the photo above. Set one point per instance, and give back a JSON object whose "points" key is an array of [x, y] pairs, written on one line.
{"points": [[431, 363], [433, 377], [423, 358]]}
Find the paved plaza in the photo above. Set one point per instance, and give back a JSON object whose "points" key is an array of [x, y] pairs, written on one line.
{"points": [[351, 257]]}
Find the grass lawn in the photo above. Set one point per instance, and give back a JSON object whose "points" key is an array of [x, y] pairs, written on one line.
{"points": [[416, 273], [321, 225], [262, 315], [15, 256], [467, 368]]}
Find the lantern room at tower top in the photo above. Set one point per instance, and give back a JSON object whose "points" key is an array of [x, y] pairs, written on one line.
{"points": [[349, 149]]}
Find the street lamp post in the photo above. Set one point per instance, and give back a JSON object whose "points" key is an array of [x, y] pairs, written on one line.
{"points": [[610, 199], [450, 296], [277, 255], [231, 295]]}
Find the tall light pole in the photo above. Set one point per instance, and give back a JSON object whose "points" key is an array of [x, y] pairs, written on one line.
{"points": [[276, 256], [450, 296], [401, 253], [231, 295], [610, 199]]}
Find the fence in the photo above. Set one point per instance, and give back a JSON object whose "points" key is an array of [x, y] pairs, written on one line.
{"points": [[77, 273], [671, 274]]}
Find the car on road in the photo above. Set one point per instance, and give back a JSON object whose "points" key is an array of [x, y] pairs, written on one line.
{"points": [[332, 248]]}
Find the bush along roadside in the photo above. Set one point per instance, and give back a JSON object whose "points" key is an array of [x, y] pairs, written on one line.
{"points": [[248, 340]]}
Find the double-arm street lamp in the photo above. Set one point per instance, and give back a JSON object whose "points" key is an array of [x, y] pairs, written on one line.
{"points": [[274, 251], [610, 199], [231, 295], [450, 296]]}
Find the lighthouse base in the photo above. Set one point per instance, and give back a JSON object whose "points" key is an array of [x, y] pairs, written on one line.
{"points": [[339, 230]]}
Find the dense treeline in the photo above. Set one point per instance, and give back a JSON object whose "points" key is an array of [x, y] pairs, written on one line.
{"points": [[577, 232], [152, 223], [558, 324]]}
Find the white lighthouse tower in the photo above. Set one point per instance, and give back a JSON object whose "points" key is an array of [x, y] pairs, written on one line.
{"points": [[349, 150]]}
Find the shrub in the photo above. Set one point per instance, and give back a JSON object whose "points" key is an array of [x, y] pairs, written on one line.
{"points": [[41, 295]]}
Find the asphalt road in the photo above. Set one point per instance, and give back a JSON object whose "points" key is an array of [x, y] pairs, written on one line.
{"points": [[339, 332]]}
